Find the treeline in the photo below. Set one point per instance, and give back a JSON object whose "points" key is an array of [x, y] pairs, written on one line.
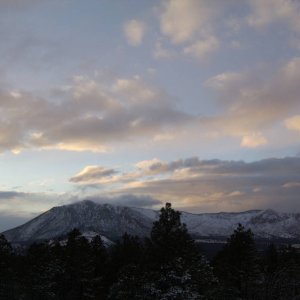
{"points": [[166, 266]]}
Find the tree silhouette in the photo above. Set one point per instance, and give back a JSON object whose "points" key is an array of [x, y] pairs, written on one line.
{"points": [[237, 265], [6, 269]]}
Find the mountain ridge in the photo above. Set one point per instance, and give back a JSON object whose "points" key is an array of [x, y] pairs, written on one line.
{"points": [[112, 221]]}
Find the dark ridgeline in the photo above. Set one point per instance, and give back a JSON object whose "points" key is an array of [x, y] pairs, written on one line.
{"points": [[166, 266]]}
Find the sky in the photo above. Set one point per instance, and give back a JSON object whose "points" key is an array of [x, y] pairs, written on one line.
{"points": [[139, 103]]}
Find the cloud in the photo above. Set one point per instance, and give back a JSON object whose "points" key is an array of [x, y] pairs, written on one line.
{"points": [[134, 31], [91, 173], [16, 207], [249, 103], [161, 52], [156, 166], [266, 12], [128, 200], [289, 185], [253, 141], [93, 115], [228, 185], [293, 123], [190, 26], [215, 185], [191, 184], [201, 49], [181, 21], [87, 115], [10, 194]]}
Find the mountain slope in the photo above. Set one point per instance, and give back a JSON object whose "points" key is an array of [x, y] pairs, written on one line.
{"points": [[113, 221], [107, 220]]}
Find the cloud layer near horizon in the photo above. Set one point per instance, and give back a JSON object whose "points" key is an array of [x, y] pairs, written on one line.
{"points": [[190, 184], [205, 185]]}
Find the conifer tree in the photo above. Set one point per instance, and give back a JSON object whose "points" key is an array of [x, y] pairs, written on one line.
{"points": [[99, 258], [173, 269], [79, 267], [41, 273], [169, 237], [237, 265]]}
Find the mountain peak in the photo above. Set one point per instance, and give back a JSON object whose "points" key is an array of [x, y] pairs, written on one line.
{"points": [[113, 221]]}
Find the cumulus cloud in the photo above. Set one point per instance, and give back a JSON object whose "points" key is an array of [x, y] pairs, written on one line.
{"points": [[134, 31], [252, 104], [266, 12], [87, 115], [195, 25], [189, 24], [181, 21]]}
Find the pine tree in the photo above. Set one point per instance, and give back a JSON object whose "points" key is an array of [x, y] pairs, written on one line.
{"points": [[41, 273], [173, 268], [237, 265], [284, 282], [169, 237], [99, 258], [78, 268]]}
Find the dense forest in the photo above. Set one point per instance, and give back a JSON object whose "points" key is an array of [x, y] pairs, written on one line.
{"points": [[168, 265]]}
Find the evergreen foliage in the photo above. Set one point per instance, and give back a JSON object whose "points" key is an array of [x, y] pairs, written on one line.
{"points": [[166, 266], [6, 269], [237, 265]]}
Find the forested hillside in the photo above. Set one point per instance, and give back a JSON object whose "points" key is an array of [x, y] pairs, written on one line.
{"points": [[166, 266]]}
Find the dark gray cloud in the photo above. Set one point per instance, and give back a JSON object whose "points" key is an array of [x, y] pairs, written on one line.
{"points": [[128, 200], [11, 194], [215, 185], [288, 166], [18, 207]]}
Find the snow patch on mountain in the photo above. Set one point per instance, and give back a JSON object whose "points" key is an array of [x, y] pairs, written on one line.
{"points": [[112, 221]]}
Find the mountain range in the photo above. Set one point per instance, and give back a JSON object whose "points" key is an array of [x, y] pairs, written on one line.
{"points": [[112, 221]]}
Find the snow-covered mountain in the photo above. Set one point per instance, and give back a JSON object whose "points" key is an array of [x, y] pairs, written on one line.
{"points": [[113, 221]]}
